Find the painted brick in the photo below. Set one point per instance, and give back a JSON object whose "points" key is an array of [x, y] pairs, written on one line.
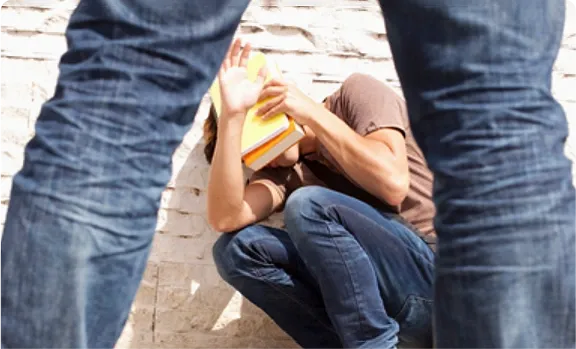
{"points": [[11, 159], [147, 293], [181, 249], [563, 87], [182, 302], [5, 186], [3, 211], [190, 299], [31, 44], [315, 17], [15, 121], [138, 331], [16, 94], [566, 62], [42, 4], [28, 19], [181, 275], [181, 223]]}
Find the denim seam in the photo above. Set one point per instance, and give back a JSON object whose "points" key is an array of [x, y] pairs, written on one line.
{"points": [[355, 290]]}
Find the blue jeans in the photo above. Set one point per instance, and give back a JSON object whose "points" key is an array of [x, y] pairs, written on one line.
{"points": [[342, 274], [476, 77]]}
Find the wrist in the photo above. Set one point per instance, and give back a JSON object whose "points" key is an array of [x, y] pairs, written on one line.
{"points": [[230, 124], [318, 118], [232, 117]]}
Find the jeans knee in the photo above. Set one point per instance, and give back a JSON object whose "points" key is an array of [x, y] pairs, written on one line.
{"points": [[305, 201], [232, 252], [305, 206]]}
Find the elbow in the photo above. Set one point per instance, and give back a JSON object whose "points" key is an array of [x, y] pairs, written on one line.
{"points": [[396, 199], [395, 191], [221, 223], [221, 218]]}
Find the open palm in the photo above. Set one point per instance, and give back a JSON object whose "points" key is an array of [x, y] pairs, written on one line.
{"points": [[238, 92]]}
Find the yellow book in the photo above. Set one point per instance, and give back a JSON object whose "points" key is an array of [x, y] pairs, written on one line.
{"points": [[256, 132], [269, 151]]}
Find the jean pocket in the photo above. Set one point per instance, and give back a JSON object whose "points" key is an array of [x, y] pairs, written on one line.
{"points": [[415, 320]]}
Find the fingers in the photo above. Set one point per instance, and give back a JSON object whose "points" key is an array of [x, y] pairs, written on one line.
{"points": [[275, 82], [235, 53], [243, 61], [277, 109], [262, 73], [271, 91], [271, 107]]}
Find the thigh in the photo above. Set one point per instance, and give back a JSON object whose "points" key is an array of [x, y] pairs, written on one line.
{"points": [[312, 201], [388, 242], [377, 250], [83, 207]]}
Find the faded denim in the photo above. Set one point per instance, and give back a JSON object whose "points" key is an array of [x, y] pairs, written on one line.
{"points": [[476, 77]]}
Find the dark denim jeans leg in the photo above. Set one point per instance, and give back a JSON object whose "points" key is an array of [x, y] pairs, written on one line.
{"points": [[375, 274], [339, 295], [476, 76], [262, 264], [83, 208]]}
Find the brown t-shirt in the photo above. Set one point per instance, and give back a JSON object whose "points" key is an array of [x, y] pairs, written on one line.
{"points": [[366, 105]]}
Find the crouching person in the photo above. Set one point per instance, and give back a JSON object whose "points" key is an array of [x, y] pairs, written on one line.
{"points": [[353, 267]]}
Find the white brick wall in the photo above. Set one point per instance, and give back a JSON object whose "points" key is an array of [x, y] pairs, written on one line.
{"points": [[182, 302]]}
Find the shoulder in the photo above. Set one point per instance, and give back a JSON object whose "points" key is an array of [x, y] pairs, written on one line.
{"points": [[359, 84], [359, 78], [367, 104], [361, 93]]}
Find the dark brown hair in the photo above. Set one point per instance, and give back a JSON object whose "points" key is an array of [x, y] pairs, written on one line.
{"points": [[210, 133]]}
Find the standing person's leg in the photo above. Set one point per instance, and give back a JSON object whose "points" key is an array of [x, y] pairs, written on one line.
{"points": [[83, 208], [263, 265], [375, 274], [476, 76]]}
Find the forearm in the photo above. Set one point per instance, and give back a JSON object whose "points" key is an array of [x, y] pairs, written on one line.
{"points": [[369, 163], [225, 195]]}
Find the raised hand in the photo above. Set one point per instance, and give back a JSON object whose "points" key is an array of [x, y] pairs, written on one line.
{"points": [[237, 92]]}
